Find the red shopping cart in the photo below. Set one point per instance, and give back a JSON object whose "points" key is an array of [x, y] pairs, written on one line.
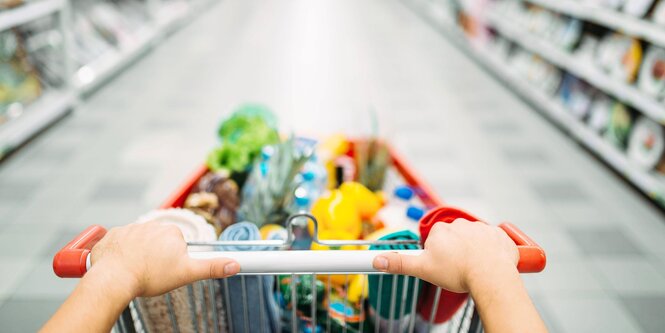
{"points": [[214, 305]]}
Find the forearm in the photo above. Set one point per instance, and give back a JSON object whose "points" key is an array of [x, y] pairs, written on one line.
{"points": [[504, 304], [95, 305]]}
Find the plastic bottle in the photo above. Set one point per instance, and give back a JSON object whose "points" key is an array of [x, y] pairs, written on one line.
{"points": [[413, 216], [316, 173], [399, 213], [301, 204]]}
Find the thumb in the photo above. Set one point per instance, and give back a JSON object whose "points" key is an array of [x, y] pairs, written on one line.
{"points": [[203, 269], [392, 262]]}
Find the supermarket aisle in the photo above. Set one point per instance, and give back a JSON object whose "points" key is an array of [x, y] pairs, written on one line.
{"points": [[322, 65]]}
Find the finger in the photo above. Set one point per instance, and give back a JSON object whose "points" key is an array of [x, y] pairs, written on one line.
{"points": [[395, 263], [202, 269]]}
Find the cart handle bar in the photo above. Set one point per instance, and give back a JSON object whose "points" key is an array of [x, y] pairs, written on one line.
{"points": [[73, 260], [302, 262]]}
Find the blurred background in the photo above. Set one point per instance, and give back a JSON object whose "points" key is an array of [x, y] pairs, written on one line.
{"points": [[545, 113]]}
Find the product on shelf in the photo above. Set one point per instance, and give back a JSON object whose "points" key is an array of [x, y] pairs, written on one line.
{"points": [[658, 14], [599, 113], [568, 33], [614, 4], [647, 145], [6, 4], [43, 44], [637, 8], [576, 95], [620, 125], [652, 73], [586, 50], [543, 75], [620, 56], [89, 45], [19, 82]]}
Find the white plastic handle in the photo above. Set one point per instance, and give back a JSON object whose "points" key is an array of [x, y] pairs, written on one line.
{"points": [[302, 262]]}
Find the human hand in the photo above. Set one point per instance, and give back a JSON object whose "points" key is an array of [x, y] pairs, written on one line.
{"points": [[457, 257], [151, 259]]}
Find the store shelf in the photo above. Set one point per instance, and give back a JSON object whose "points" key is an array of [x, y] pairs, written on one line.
{"points": [[620, 90], [89, 77], [34, 118], [168, 19], [630, 25], [649, 182], [10, 18]]}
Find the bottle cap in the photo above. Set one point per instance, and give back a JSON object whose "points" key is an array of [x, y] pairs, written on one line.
{"points": [[302, 201], [415, 213], [308, 175], [267, 152], [264, 168], [403, 192]]}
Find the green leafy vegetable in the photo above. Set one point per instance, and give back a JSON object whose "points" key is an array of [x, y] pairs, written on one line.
{"points": [[242, 136]]}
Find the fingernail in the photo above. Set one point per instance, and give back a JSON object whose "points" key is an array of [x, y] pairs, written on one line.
{"points": [[381, 263], [231, 269]]}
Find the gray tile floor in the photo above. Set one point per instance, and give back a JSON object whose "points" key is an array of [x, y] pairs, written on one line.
{"points": [[322, 65]]}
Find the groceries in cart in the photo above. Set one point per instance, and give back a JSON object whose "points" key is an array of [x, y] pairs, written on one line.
{"points": [[258, 178]]}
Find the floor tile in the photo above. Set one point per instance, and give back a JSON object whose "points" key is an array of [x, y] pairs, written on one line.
{"points": [[457, 189], [591, 314], [41, 282], [112, 190], [108, 214], [524, 155], [569, 275], [500, 128], [17, 192], [581, 214], [608, 241], [24, 245], [565, 191], [647, 311], [27, 315], [13, 270], [546, 314], [631, 276], [60, 238]]}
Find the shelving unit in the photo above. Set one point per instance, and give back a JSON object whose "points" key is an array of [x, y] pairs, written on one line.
{"points": [[649, 182], [630, 25], [622, 91], [164, 20], [28, 12], [90, 77], [48, 108]]}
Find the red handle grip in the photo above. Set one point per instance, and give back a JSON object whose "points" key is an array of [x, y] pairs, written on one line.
{"points": [[532, 256], [70, 261]]}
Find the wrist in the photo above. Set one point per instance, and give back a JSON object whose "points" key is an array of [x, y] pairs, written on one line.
{"points": [[114, 279], [485, 278]]}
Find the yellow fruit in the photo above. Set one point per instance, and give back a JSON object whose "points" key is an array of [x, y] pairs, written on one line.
{"points": [[273, 231], [335, 212], [358, 288], [335, 145], [365, 200]]}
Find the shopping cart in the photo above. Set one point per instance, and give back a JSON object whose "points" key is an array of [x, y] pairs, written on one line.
{"points": [[205, 306]]}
